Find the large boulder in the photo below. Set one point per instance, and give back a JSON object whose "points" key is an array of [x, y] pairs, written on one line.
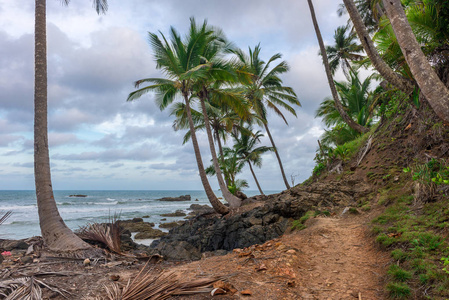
{"points": [[150, 234], [8, 245], [179, 251], [178, 213]]}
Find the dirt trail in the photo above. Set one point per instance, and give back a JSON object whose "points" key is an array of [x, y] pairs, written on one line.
{"points": [[333, 258]]}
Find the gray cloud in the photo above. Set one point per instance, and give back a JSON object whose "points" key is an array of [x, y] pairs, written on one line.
{"points": [[92, 64]]}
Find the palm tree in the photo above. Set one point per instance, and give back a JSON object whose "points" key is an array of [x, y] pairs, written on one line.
{"points": [[387, 73], [245, 145], [181, 62], [344, 50], [348, 120], [55, 232], [218, 72], [356, 99], [222, 121], [436, 93], [265, 90], [231, 164]]}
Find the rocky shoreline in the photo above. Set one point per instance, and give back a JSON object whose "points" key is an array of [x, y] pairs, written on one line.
{"points": [[205, 233]]}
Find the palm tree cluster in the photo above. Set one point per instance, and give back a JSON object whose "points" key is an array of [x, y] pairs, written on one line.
{"points": [[227, 91], [405, 44], [223, 90]]}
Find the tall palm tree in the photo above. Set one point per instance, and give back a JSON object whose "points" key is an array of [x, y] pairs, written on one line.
{"points": [[348, 120], [403, 84], [265, 90], [181, 62], [436, 93], [219, 72], [344, 50], [245, 145], [55, 233]]}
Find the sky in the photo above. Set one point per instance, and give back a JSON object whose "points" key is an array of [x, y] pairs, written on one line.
{"points": [[98, 140]]}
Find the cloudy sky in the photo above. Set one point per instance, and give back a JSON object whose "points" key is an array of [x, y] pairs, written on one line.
{"points": [[97, 140]]}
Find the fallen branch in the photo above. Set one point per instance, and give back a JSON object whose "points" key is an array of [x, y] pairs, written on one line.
{"points": [[365, 149]]}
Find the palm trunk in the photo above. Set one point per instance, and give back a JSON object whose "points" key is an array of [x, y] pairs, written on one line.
{"points": [[220, 150], [428, 81], [216, 204], [387, 73], [233, 201], [255, 178], [277, 155], [348, 120], [55, 233]]}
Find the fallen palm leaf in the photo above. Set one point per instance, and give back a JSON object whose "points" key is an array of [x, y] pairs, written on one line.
{"points": [[108, 234], [5, 217], [150, 284], [26, 288]]}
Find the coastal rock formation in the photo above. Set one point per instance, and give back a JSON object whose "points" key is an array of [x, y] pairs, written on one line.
{"points": [[180, 198], [211, 232], [150, 234], [178, 213], [78, 196], [171, 224], [144, 230], [198, 209]]}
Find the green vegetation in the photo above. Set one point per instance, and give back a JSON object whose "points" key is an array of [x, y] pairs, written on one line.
{"points": [[418, 248]]}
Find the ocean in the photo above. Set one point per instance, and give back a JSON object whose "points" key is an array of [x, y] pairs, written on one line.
{"points": [[98, 206]]}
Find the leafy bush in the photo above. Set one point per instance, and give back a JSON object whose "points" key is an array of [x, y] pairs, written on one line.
{"points": [[318, 169]]}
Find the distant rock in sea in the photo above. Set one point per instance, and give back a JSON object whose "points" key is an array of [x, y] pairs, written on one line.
{"points": [[79, 196], [180, 198]]}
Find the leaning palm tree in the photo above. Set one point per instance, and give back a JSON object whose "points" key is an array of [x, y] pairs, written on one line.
{"points": [[395, 79], [209, 87], [182, 63], [245, 145], [357, 127], [54, 231], [265, 90], [436, 93]]}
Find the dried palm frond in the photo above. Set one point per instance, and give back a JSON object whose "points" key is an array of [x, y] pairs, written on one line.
{"points": [[108, 234], [150, 284], [26, 288], [5, 217]]}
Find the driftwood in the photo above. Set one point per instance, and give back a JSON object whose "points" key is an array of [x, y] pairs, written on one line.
{"points": [[365, 149]]}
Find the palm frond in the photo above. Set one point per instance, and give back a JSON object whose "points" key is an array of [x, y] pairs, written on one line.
{"points": [[150, 284], [5, 216], [101, 6], [108, 234]]}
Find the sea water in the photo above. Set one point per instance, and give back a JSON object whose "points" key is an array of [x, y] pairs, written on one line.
{"points": [[98, 206]]}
